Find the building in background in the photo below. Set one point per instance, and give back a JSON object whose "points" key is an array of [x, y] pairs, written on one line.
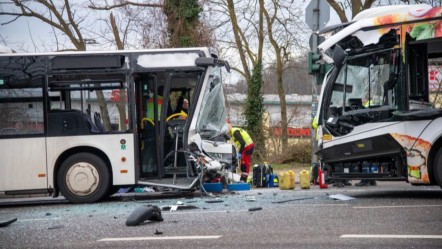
{"points": [[299, 112]]}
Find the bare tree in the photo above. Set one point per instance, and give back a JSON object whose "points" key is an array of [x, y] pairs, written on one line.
{"points": [[65, 18], [283, 29], [142, 25], [251, 58]]}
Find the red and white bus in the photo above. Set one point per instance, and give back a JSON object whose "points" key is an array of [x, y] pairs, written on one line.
{"points": [[379, 115], [88, 123]]}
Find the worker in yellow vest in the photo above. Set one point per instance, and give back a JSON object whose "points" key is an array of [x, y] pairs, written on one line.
{"points": [[150, 107], [244, 146]]}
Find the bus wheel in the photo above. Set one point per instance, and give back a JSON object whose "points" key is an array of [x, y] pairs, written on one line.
{"points": [[437, 167], [84, 178]]}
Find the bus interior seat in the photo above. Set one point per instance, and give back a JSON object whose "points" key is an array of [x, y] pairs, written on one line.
{"points": [[98, 123], [67, 122], [90, 124]]}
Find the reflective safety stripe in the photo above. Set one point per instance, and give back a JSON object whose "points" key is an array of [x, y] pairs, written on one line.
{"points": [[244, 136], [150, 106]]}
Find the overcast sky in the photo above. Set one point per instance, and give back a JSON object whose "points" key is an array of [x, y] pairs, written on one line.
{"points": [[37, 35]]}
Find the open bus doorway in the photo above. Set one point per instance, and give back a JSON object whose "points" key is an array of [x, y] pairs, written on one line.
{"points": [[163, 122]]}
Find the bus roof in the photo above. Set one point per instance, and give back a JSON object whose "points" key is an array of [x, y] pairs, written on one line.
{"points": [[379, 16], [9, 52]]}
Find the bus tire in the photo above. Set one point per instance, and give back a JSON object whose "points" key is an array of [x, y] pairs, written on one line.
{"points": [[84, 178]]}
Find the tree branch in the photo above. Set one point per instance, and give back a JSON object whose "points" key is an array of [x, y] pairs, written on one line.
{"points": [[124, 4], [341, 12]]}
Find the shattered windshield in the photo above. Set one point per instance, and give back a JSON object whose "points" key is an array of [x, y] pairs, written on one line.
{"points": [[364, 91], [213, 112], [365, 80]]}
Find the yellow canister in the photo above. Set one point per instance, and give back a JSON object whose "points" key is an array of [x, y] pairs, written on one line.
{"points": [[287, 180], [304, 177]]}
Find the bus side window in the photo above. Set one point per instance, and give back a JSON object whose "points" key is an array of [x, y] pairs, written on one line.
{"points": [[67, 122]]}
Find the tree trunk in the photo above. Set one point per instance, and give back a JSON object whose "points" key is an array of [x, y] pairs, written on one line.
{"points": [[103, 110], [121, 103], [281, 93]]}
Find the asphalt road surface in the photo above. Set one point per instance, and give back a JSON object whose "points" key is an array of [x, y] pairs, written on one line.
{"points": [[390, 215]]}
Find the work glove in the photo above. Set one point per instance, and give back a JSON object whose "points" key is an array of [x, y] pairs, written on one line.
{"points": [[238, 155]]}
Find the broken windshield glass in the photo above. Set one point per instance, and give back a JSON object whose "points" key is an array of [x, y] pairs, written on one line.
{"points": [[362, 91], [213, 112]]}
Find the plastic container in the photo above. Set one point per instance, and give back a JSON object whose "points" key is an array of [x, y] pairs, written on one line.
{"points": [[374, 169], [304, 177], [250, 180], [272, 180], [213, 187], [287, 180], [238, 186]]}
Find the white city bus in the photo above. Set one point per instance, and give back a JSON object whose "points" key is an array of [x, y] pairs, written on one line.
{"points": [[379, 114], [79, 122]]}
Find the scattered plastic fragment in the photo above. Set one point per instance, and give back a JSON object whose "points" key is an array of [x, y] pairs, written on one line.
{"points": [[296, 199], [213, 201], [250, 198], [124, 190], [158, 232], [55, 227], [143, 189], [341, 197], [176, 207], [7, 223], [143, 213]]}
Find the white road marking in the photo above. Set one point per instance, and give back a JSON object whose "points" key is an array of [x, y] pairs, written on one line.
{"points": [[404, 206], [201, 211], [390, 236], [162, 238], [41, 219]]}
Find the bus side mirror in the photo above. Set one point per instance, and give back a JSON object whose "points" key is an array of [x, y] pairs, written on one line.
{"points": [[338, 55], [205, 61]]}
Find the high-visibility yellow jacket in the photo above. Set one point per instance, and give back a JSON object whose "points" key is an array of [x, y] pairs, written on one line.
{"points": [[150, 106], [241, 138]]}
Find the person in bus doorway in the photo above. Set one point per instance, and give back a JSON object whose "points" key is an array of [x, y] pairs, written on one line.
{"points": [[245, 146], [150, 103], [182, 107]]}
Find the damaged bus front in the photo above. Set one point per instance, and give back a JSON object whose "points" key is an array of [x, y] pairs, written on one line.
{"points": [[379, 115]]}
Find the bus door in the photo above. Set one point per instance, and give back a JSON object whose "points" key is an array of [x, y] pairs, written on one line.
{"points": [[22, 137], [163, 100], [149, 105]]}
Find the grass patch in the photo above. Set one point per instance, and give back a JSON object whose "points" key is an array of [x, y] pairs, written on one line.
{"points": [[282, 167]]}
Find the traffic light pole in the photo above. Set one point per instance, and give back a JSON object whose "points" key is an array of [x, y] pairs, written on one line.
{"points": [[315, 28]]}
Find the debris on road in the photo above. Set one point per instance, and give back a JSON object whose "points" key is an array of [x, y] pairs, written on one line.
{"points": [[55, 227], [255, 209], [341, 197], [296, 199], [214, 201], [172, 208], [7, 223], [143, 213]]}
